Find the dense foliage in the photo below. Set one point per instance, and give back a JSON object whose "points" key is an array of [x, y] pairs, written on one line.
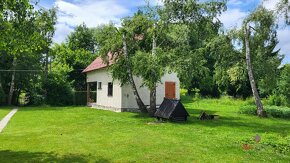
{"points": [[59, 90], [26, 34], [185, 37], [2, 96]]}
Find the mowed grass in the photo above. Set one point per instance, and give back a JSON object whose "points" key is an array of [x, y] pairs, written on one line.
{"points": [[4, 111], [80, 134]]}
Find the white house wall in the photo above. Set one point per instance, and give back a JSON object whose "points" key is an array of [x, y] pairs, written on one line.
{"points": [[103, 99], [128, 98]]}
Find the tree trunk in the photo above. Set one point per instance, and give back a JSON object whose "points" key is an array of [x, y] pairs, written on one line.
{"points": [[260, 110], [152, 109], [10, 95], [46, 65], [46, 74], [139, 101]]}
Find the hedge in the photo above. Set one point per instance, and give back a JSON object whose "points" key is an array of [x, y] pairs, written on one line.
{"points": [[274, 111]]}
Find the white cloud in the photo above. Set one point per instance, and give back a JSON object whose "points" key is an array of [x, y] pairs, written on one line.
{"points": [[284, 43], [235, 2], [93, 13], [233, 18], [156, 2], [90, 12], [270, 4], [62, 30], [145, 2]]}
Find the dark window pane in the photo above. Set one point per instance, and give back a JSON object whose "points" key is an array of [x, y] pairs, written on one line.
{"points": [[110, 89]]}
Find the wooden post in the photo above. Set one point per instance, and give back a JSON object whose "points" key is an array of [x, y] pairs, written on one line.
{"points": [[88, 94]]}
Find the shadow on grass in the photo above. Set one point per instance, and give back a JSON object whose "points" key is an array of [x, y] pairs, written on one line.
{"points": [[141, 115], [6, 107], [241, 122], [24, 156], [53, 108]]}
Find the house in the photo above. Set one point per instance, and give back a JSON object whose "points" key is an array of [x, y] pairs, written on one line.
{"points": [[110, 95]]}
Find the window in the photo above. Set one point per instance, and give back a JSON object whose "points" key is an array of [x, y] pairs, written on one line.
{"points": [[110, 89], [100, 85]]}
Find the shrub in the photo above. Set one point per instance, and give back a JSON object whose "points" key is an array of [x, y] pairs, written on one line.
{"points": [[274, 111], [59, 90], [36, 99], [196, 94], [250, 101], [226, 100], [278, 100], [248, 109]]}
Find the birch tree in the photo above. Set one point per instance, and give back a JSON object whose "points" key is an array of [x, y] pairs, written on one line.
{"points": [[259, 29]]}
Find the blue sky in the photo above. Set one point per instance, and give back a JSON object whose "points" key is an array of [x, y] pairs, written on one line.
{"points": [[97, 12]]}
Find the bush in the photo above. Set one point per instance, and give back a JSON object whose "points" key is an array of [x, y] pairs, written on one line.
{"points": [[197, 95], [248, 109], [274, 111], [36, 99], [59, 90], [250, 101], [277, 100]]}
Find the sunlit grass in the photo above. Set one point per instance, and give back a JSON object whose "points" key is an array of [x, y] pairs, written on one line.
{"points": [[82, 134], [4, 111]]}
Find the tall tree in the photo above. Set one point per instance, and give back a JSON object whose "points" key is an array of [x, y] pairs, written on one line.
{"points": [[149, 58], [260, 109], [260, 44], [283, 88], [77, 52], [82, 38], [119, 42], [193, 24], [23, 34]]}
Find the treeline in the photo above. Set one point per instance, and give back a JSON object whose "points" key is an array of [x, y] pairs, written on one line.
{"points": [[182, 36]]}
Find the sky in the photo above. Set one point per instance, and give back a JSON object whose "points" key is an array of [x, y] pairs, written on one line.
{"points": [[97, 12]]}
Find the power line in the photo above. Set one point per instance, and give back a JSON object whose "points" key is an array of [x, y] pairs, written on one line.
{"points": [[21, 70], [32, 70]]}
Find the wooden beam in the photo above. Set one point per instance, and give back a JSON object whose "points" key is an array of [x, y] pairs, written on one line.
{"points": [[88, 93]]}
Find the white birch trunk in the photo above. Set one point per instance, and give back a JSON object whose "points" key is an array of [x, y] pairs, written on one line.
{"points": [[260, 110]]}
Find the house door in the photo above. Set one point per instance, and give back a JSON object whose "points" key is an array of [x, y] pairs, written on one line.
{"points": [[170, 90]]}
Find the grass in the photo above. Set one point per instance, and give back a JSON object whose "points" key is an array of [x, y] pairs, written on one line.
{"points": [[80, 134], [4, 111]]}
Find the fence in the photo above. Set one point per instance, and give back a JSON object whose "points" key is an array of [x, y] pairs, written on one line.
{"points": [[80, 97]]}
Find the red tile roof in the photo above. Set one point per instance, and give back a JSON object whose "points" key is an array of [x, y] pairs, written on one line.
{"points": [[98, 64]]}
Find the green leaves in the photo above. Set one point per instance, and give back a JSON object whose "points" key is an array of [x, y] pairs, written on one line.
{"points": [[82, 38], [192, 11], [150, 67]]}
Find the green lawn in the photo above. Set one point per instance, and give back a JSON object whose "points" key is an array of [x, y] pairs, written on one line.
{"points": [[79, 134], [4, 111]]}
